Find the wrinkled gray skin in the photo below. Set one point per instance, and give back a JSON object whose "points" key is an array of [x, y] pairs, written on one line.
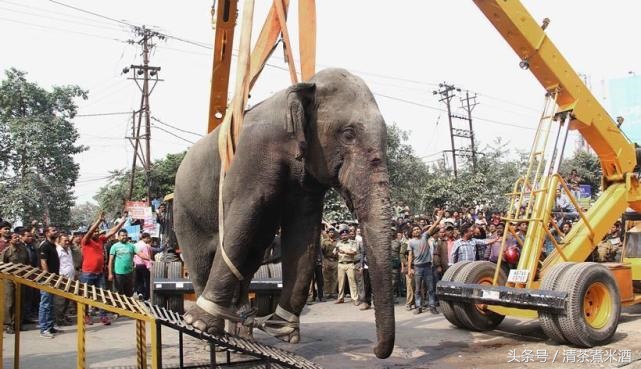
{"points": [[278, 179]]}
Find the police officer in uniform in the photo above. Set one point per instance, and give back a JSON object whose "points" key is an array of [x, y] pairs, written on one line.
{"points": [[346, 249], [15, 253], [330, 263]]}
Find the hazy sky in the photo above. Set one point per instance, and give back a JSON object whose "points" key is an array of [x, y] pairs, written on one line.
{"points": [[402, 52]]}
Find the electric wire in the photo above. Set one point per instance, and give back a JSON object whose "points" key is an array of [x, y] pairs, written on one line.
{"points": [[171, 133], [176, 128]]}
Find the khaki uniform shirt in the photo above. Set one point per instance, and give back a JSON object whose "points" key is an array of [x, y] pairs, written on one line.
{"points": [[15, 254], [327, 247], [347, 246]]}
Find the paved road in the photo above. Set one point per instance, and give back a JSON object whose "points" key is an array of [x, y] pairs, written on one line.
{"points": [[341, 336]]}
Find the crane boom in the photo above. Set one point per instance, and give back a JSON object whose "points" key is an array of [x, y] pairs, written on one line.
{"points": [[551, 69]]}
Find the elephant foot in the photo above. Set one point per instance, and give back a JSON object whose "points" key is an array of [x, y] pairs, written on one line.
{"points": [[204, 321], [281, 324]]}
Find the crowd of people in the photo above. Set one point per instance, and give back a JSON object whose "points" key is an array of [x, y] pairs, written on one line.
{"points": [[103, 255], [424, 247]]}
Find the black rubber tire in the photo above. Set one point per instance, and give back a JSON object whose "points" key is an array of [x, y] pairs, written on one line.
{"points": [[468, 313], [549, 321], [158, 270], [175, 303], [447, 307], [576, 283]]}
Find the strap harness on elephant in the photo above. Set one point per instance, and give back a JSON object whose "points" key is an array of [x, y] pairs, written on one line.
{"points": [[249, 67]]}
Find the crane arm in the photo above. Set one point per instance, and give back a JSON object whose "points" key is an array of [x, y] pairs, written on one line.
{"points": [[551, 69]]}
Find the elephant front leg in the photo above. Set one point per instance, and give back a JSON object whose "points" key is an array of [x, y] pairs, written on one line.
{"points": [[245, 239], [301, 226]]}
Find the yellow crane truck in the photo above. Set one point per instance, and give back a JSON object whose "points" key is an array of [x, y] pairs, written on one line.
{"points": [[576, 301]]}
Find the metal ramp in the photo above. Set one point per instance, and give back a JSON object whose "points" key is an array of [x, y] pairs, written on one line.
{"points": [[84, 295]]}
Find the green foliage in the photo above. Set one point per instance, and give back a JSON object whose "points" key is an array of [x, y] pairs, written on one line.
{"points": [[83, 215], [587, 167], [37, 144], [162, 177]]}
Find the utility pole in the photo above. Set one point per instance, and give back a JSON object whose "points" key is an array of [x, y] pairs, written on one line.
{"points": [[448, 92], [143, 75], [468, 104]]}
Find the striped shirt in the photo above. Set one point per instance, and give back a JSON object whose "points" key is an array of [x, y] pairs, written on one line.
{"points": [[465, 250]]}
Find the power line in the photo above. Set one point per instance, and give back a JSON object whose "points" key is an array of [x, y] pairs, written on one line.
{"points": [[171, 133], [49, 11], [93, 13], [443, 110], [176, 128], [49, 17], [102, 114], [61, 30]]}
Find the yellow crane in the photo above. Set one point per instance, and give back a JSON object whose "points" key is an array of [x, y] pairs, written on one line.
{"points": [[576, 301]]}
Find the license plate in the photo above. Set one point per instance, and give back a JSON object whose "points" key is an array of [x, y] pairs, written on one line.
{"points": [[494, 295], [518, 276]]}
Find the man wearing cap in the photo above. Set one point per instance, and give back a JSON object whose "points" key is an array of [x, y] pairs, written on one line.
{"points": [[330, 263], [346, 249]]}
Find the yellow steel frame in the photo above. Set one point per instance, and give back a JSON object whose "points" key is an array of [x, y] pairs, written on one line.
{"points": [[617, 155], [91, 297]]}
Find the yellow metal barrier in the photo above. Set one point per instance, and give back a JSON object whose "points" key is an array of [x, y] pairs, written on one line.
{"points": [[84, 295]]}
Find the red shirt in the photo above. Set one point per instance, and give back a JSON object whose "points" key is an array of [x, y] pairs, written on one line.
{"points": [[93, 258]]}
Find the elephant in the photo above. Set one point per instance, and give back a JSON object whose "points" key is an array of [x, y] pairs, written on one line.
{"points": [[293, 147]]}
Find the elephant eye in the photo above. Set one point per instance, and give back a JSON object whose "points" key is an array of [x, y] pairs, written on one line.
{"points": [[348, 136]]}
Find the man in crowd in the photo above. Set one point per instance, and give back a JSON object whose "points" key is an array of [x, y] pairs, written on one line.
{"points": [[330, 263], [49, 262], [346, 249], [409, 280], [67, 269], [143, 266], [441, 263], [31, 295], [121, 261], [5, 234], [395, 261], [316, 284], [92, 246], [421, 257], [466, 248], [14, 252]]}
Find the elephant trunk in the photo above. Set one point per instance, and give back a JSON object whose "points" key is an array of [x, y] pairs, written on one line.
{"points": [[373, 208]]}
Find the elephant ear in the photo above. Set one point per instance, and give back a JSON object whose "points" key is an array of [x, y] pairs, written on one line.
{"points": [[300, 112]]}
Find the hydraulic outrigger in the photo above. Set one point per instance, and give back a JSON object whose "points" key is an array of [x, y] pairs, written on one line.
{"points": [[576, 301]]}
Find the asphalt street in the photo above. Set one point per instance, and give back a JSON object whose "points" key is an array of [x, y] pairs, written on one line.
{"points": [[341, 336]]}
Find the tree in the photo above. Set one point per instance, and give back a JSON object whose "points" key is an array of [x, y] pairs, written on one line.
{"points": [[162, 177], [37, 144], [408, 174], [83, 215], [588, 168]]}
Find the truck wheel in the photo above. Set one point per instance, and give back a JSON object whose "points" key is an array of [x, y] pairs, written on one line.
{"points": [[476, 316], [158, 270], [447, 307], [262, 272], [593, 305], [549, 321], [175, 302]]}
